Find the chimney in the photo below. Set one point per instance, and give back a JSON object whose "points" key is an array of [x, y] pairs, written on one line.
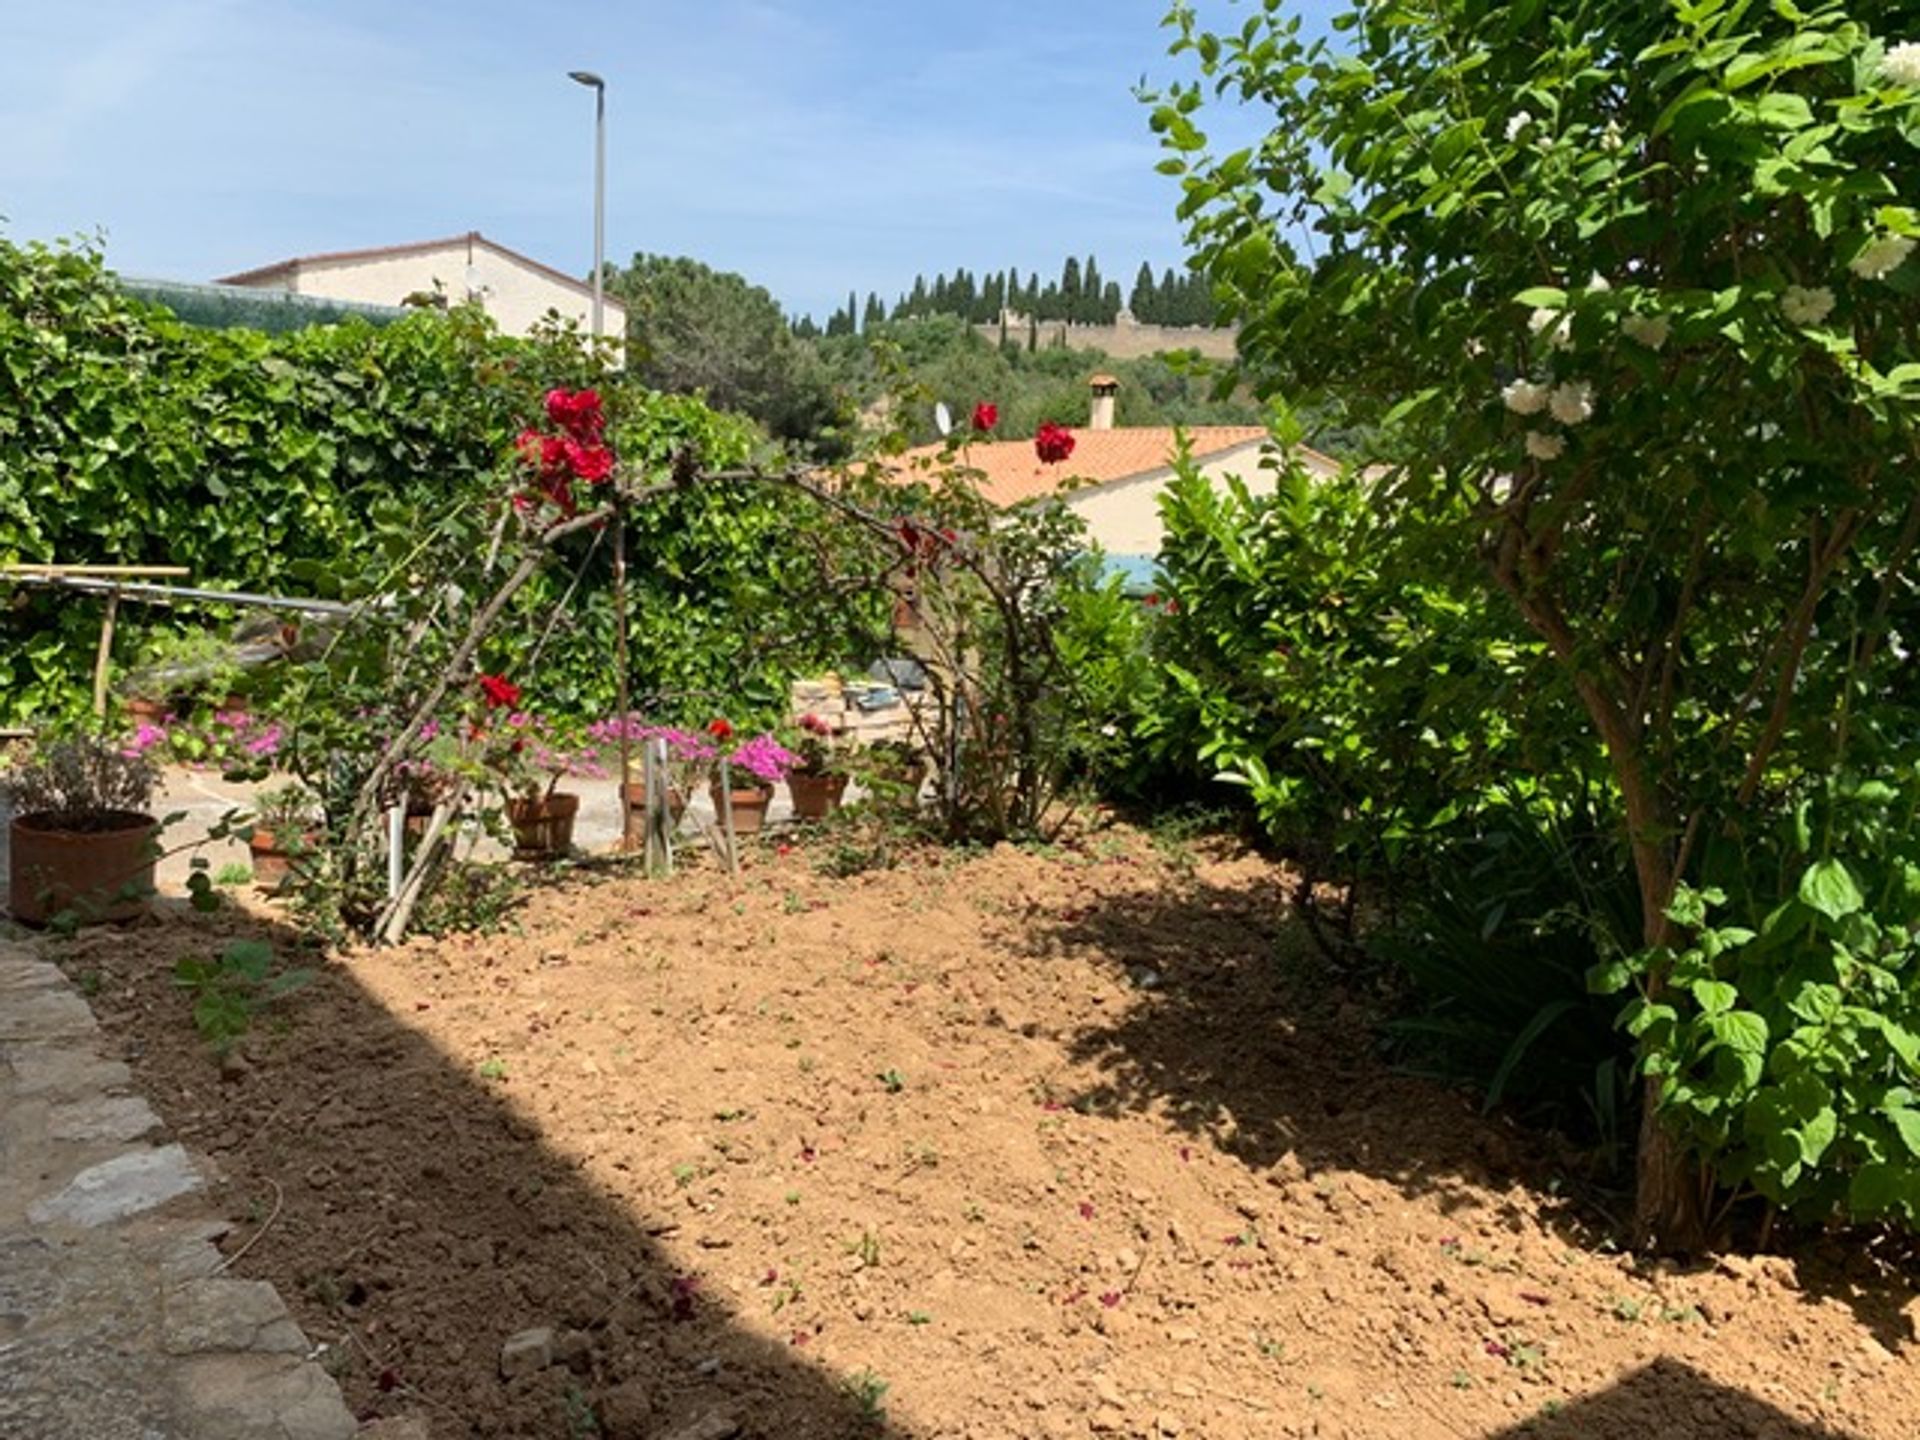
{"points": [[1104, 387]]}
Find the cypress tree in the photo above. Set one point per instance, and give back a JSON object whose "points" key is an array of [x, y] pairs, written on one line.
{"points": [[1142, 301], [875, 314]]}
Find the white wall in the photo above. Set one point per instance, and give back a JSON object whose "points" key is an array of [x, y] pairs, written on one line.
{"points": [[1124, 515], [515, 295]]}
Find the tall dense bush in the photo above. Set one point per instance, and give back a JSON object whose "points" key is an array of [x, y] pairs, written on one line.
{"points": [[1622, 296], [260, 462]]}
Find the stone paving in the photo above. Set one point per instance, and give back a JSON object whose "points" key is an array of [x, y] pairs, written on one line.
{"points": [[116, 1322]]}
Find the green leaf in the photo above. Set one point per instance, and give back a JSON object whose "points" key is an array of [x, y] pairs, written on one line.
{"points": [[1829, 888], [1907, 1122], [1542, 297], [1715, 997], [1609, 977], [1741, 1031], [1880, 1188]]}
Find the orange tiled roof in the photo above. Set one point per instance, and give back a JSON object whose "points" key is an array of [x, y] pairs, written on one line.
{"points": [[1011, 473]]}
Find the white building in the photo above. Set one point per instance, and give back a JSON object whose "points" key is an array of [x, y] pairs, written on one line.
{"points": [[1117, 474], [515, 290]]}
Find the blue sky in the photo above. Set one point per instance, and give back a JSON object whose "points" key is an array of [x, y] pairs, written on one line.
{"points": [[813, 145]]}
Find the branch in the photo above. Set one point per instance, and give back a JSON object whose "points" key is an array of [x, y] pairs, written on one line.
{"points": [[1821, 560]]}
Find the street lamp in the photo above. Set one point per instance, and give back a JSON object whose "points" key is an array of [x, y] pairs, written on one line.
{"points": [[599, 87]]}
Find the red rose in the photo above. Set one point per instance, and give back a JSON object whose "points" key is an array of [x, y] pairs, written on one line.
{"points": [[499, 691], [577, 412], [591, 463], [720, 729], [1053, 443], [814, 725], [528, 445], [985, 416]]}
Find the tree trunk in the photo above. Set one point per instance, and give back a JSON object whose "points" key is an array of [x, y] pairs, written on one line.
{"points": [[1667, 1201]]}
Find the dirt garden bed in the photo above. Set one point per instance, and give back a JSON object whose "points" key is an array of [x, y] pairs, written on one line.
{"points": [[1045, 1145]]}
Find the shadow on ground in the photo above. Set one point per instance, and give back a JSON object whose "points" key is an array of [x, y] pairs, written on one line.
{"points": [[415, 1221], [1674, 1402], [1245, 1036], [1242, 1034]]}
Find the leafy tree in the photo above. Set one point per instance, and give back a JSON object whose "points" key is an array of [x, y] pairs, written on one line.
{"points": [[692, 329], [1623, 292]]}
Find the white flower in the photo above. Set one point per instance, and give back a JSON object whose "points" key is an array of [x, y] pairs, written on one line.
{"points": [[1902, 64], [1649, 330], [1523, 397], [1802, 306], [1598, 283], [1517, 123], [1554, 326], [1572, 403], [1611, 140], [1881, 257], [1542, 446]]}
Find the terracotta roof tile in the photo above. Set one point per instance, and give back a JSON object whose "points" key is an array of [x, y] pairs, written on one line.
{"points": [[1012, 473]]}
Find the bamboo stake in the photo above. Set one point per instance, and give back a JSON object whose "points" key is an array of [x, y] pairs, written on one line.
{"points": [[620, 675], [660, 810], [396, 848], [726, 816], [105, 655]]}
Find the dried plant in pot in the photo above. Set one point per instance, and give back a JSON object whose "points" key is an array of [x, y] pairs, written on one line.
{"points": [[82, 843]]}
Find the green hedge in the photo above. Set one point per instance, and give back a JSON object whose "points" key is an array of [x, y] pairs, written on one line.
{"points": [[129, 437]]}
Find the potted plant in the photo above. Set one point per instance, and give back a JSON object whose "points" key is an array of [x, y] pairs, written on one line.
{"points": [[817, 781], [286, 827], [754, 766], [82, 840], [689, 754], [533, 758]]}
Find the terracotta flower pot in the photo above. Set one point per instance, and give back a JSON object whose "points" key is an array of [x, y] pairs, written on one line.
{"points": [[636, 792], [96, 865], [273, 857], [142, 711], [815, 796], [543, 826], [749, 806]]}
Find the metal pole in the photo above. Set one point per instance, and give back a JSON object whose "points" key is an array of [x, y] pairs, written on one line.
{"points": [[599, 87], [599, 204]]}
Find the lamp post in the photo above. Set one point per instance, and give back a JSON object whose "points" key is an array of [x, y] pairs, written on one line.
{"points": [[599, 88]]}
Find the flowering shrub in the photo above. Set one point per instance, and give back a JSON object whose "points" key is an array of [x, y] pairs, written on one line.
{"points": [[575, 451], [811, 741], [690, 753], [1662, 427], [227, 740], [531, 755], [763, 758]]}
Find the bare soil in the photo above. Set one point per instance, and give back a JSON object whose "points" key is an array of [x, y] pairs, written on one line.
{"points": [[1084, 1142]]}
